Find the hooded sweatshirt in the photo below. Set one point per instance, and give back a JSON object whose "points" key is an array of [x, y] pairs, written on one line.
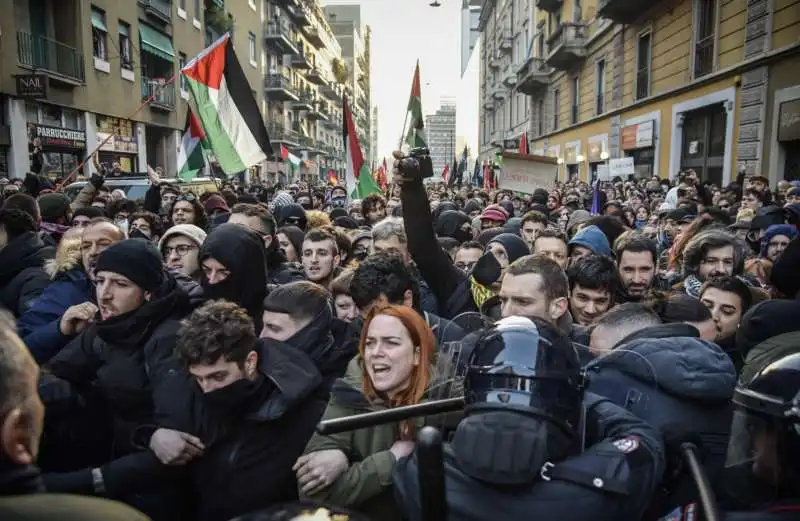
{"points": [[593, 239], [242, 252], [451, 224]]}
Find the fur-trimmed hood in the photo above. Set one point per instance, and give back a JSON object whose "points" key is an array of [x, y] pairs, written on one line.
{"points": [[68, 256]]}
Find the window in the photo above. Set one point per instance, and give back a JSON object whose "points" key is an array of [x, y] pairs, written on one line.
{"points": [[197, 8], [556, 108], [643, 66], [601, 86], [181, 65], [182, 4], [540, 116], [578, 11], [99, 34], [576, 99], [705, 25], [125, 60], [251, 49]]}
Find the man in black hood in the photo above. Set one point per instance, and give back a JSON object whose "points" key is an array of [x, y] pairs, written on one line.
{"points": [[455, 224], [257, 403], [234, 264], [22, 258]]}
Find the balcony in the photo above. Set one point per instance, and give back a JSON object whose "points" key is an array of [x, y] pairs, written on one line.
{"points": [[551, 6], [334, 121], [318, 112], [315, 76], [499, 93], [302, 60], [60, 62], [300, 14], [496, 61], [280, 134], [305, 143], [278, 37], [160, 10], [510, 76], [497, 138], [162, 94], [624, 11], [313, 36], [488, 104], [278, 87], [533, 76], [507, 42], [304, 101], [332, 91], [567, 46]]}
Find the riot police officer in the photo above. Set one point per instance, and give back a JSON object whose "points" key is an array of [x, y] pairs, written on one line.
{"points": [[762, 474], [519, 453]]}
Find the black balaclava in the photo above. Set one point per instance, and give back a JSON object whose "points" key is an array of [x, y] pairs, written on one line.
{"points": [[291, 214], [514, 245], [508, 206], [452, 224], [242, 252]]}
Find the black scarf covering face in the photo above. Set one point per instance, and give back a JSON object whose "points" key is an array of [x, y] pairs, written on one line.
{"points": [[316, 338], [135, 327]]}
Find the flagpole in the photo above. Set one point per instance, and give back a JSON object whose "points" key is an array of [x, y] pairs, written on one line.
{"points": [[146, 102]]}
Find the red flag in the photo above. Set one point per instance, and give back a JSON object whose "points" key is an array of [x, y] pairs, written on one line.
{"points": [[446, 173], [284, 152], [523, 143]]}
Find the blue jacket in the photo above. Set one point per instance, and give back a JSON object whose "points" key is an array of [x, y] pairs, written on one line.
{"points": [[39, 326], [681, 386], [611, 480]]}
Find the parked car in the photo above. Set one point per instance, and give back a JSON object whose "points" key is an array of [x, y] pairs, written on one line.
{"points": [[135, 187]]}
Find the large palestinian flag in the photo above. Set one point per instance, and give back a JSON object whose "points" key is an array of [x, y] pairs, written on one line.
{"points": [[226, 108], [359, 181], [191, 158]]}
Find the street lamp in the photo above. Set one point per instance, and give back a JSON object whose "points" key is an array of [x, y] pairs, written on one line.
{"points": [[435, 3]]}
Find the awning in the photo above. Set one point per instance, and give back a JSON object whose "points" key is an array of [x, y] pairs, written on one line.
{"points": [[124, 30], [156, 43], [219, 3], [98, 22]]}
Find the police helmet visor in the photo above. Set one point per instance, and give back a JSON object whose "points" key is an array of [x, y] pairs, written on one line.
{"points": [[749, 439]]}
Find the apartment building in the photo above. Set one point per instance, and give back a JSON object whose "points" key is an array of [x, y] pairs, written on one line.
{"points": [[440, 135], [76, 71], [354, 37], [672, 84]]}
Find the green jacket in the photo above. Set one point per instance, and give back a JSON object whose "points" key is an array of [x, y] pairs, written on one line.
{"points": [[366, 484]]}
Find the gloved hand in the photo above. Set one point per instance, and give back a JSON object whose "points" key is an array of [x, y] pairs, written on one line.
{"points": [[97, 180], [75, 482]]}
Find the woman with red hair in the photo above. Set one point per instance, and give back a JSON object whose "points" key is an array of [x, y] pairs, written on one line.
{"points": [[394, 368]]}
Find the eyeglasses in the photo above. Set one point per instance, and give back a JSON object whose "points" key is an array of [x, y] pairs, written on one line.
{"points": [[182, 250], [189, 198]]}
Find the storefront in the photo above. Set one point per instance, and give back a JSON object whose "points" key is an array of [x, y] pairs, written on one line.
{"points": [[572, 159], [597, 154], [789, 138], [638, 142], [703, 146], [119, 143], [56, 138]]}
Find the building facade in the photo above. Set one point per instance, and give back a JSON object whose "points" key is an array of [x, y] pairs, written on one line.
{"points": [[673, 84], [470, 30], [354, 38], [440, 135]]}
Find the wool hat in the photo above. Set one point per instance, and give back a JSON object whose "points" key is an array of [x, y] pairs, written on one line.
{"points": [[136, 259], [514, 245], [53, 205], [190, 231], [215, 202], [495, 213]]}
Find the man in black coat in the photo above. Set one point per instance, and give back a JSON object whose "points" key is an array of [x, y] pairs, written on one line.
{"points": [[22, 258]]}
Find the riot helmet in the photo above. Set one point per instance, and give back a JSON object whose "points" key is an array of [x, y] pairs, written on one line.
{"points": [[765, 434], [528, 366]]}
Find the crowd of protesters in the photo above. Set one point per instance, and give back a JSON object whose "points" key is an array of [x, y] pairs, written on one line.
{"points": [[176, 353]]}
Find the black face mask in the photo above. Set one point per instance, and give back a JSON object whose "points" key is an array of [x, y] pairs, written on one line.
{"points": [[237, 399], [137, 234]]}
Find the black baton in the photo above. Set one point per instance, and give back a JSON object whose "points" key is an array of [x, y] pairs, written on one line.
{"points": [[430, 470], [393, 415], [707, 499]]}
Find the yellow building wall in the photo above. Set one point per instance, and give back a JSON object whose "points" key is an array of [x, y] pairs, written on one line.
{"points": [[732, 20], [786, 23]]}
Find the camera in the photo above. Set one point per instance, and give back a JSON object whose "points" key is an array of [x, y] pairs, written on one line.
{"points": [[418, 164]]}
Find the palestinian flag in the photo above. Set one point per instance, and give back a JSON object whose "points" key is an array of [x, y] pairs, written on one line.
{"points": [[291, 160], [523, 143], [191, 159], [416, 135], [226, 108], [359, 180]]}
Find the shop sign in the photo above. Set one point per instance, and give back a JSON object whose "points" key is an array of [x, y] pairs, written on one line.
{"points": [[638, 136], [32, 86], [621, 167], [120, 144], [789, 123], [597, 145], [511, 144], [57, 137]]}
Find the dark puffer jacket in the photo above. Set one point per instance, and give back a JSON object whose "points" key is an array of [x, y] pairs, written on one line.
{"points": [[22, 273]]}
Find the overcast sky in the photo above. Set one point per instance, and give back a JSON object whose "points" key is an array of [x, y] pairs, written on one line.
{"points": [[402, 32]]}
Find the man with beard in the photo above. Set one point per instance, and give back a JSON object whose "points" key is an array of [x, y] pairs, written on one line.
{"points": [[256, 404], [109, 390], [562, 450], [21, 486], [637, 257], [300, 314], [320, 257], [45, 326], [234, 264], [710, 253]]}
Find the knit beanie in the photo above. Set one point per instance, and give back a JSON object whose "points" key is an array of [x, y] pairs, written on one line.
{"points": [[136, 259], [52, 206], [215, 202], [495, 213], [190, 231], [282, 199], [513, 244]]}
